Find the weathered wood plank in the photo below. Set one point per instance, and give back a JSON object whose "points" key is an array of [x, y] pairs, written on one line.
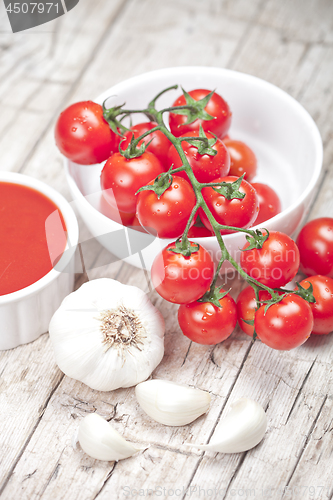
{"points": [[278, 41]]}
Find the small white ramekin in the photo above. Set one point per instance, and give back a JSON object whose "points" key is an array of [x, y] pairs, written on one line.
{"points": [[25, 314]]}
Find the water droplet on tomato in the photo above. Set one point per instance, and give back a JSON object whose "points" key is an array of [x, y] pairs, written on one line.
{"points": [[74, 129], [204, 331], [169, 213]]}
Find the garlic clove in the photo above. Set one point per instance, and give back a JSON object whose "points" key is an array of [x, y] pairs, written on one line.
{"points": [[242, 429], [171, 404], [100, 441]]}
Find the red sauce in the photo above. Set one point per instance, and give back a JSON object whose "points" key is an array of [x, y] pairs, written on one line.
{"points": [[32, 236]]}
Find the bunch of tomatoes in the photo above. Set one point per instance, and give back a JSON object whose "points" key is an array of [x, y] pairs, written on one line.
{"points": [[192, 180]]}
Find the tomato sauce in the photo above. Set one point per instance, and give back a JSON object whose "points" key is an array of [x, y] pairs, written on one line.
{"points": [[32, 236]]}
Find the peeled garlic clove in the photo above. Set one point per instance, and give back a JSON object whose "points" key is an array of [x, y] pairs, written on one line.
{"points": [[171, 404], [242, 429], [99, 440]]}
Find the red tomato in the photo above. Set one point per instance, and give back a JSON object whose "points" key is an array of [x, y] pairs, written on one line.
{"points": [[121, 178], [159, 146], [269, 202], [246, 306], [322, 309], [113, 213], [236, 212], [199, 232], [206, 168], [135, 224], [216, 107], [82, 134], [182, 279], [284, 325], [207, 324], [242, 159], [273, 265], [167, 216], [315, 243]]}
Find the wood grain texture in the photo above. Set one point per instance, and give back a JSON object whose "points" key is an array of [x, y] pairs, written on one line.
{"points": [[77, 57]]}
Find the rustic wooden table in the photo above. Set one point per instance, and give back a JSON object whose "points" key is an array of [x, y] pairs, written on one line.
{"points": [[99, 43]]}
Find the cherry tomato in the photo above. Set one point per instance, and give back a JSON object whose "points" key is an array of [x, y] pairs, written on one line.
{"points": [[159, 145], [166, 216], [216, 107], [113, 213], [236, 212], [207, 324], [284, 325], [269, 202], [135, 224], [242, 159], [246, 306], [182, 279], [315, 243], [82, 134], [273, 265], [322, 309], [206, 168], [121, 178], [199, 232]]}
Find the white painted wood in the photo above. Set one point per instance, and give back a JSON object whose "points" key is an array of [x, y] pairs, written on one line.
{"points": [[74, 58]]}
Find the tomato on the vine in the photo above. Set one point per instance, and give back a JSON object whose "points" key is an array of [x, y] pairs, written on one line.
{"points": [[199, 232], [121, 178], [286, 324], [242, 159], [315, 243], [322, 309], [216, 107], [237, 212], [166, 216], [181, 279], [269, 202], [159, 144], [273, 265], [205, 323], [205, 167], [83, 135], [126, 219], [246, 306]]}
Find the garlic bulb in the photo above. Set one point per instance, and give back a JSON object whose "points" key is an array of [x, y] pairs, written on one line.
{"points": [[107, 335], [171, 404], [242, 429], [99, 440]]}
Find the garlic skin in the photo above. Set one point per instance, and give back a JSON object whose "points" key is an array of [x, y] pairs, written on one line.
{"points": [[100, 441], [107, 335], [242, 429], [171, 404]]}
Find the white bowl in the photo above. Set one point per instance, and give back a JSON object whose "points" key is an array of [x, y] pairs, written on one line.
{"points": [[282, 134], [26, 314]]}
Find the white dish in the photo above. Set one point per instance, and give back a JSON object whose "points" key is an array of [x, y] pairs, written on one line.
{"points": [[282, 134], [26, 314]]}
